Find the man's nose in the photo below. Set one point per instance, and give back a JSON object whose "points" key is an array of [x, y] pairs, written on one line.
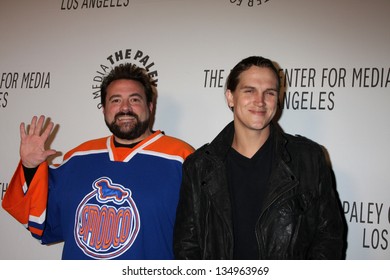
{"points": [[126, 106], [259, 98]]}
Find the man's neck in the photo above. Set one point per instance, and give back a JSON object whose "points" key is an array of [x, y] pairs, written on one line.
{"points": [[125, 142], [247, 142]]}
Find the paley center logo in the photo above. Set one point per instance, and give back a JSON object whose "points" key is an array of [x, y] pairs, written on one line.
{"points": [[137, 57], [249, 3], [107, 220]]}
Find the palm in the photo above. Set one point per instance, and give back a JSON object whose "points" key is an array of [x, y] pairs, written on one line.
{"points": [[32, 145]]}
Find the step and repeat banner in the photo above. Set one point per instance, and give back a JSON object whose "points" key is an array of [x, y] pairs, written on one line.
{"points": [[334, 60]]}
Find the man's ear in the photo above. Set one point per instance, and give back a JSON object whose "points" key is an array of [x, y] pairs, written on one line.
{"points": [[229, 98]]}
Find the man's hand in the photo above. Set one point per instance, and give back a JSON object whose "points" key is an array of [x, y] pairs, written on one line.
{"points": [[32, 143]]}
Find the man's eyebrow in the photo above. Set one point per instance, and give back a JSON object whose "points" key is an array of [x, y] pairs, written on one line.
{"points": [[272, 89], [247, 87], [114, 96], [252, 87], [137, 94], [131, 95]]}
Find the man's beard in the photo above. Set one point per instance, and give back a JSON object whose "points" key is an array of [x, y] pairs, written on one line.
{"points": [[135, 132]]}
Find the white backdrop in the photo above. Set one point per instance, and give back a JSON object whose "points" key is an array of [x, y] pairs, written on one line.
{"points": [[335, 55]]}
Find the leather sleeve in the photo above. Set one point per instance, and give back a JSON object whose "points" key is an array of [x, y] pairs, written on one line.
{"points": [[185, 240]]}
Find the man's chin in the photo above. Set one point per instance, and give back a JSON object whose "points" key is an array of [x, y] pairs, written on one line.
{"points": [[127, 129]]}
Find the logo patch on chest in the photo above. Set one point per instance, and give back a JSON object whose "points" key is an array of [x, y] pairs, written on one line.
{"points": [[107, 220]]}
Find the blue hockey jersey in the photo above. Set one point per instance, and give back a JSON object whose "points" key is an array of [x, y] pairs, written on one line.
{"points": [[105, 202]]}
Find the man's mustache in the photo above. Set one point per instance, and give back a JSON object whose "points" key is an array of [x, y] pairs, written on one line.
{"points": [[124, 114]]}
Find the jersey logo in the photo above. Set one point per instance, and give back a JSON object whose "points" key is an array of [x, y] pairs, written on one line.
{"points": [[107, 220], [109, 192]]}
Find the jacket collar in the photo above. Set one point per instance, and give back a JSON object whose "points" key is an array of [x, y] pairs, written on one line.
{"points": [[223, 141]]}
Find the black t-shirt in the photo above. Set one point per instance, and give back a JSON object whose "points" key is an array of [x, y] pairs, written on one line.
{"points": [[247, 179]]}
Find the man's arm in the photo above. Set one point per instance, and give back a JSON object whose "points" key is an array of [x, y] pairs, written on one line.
{"points": [[28, 204], [27, 193], [330, 239], [185, 240]]}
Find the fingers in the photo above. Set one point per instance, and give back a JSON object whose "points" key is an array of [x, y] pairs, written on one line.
{"points": [[33, 123], [36, 126], [48, 130], [50, 152], [37, 130], [33, 141], [22, 130]]}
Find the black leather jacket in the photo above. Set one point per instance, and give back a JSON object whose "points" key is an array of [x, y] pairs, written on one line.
{"points": [[300, 219]]}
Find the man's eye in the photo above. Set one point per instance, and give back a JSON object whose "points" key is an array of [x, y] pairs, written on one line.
{"points": [[135, 100]]}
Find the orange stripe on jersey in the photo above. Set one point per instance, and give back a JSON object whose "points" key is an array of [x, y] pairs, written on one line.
{"points": [[21, 206], [156, 142], [171, 146], [159, 143], [95, 144], [36, 231]]}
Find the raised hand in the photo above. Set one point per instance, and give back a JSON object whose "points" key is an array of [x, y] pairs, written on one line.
{"points": [[32, 142]]}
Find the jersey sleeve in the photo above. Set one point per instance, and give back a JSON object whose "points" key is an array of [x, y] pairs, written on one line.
{"points": [[27, 204]]}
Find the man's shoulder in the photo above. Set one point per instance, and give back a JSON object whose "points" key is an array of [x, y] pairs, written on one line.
{"points": [[176, 142], [302, 144], [89, 145], [300, 139], [203, 154], [170, 145]]}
